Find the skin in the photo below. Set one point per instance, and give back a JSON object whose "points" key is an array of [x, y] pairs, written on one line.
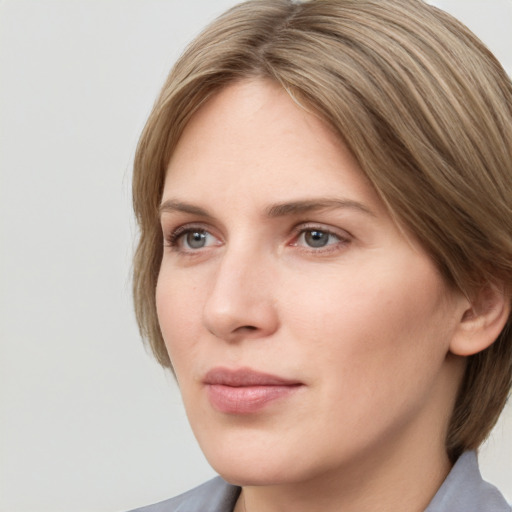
{"points": [[364, 323]]}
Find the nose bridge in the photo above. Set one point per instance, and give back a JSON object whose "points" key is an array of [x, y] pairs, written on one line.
{"points": [[241, 301]]}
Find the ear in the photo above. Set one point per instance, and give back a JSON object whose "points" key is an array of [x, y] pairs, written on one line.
{"points": [[482, 321]]}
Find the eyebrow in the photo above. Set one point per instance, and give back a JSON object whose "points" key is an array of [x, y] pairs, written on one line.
{"points": [[170, 206], [275, 210], [310, 205]]}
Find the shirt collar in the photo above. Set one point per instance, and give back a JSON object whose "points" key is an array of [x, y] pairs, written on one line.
{"points": [[464, 490]]}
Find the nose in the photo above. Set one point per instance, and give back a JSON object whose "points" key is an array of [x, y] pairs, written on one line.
{"points": [[241, 302]]}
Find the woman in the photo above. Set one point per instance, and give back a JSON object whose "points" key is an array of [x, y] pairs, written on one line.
{"points": [[324, 192]]}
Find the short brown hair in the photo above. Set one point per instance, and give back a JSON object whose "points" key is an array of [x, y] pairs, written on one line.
{"points": [[423, 105]]}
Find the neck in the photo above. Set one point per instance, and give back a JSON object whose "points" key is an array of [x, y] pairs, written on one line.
{"points": [[382, 482]]}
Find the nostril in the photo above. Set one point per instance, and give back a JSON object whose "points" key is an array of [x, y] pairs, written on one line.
{"points": [[249, 327]]}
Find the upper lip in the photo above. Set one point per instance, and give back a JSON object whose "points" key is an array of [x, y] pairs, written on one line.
{"points": [[245, 377]]}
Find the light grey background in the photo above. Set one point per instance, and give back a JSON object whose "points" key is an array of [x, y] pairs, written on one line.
{"points": [[87, 421]]}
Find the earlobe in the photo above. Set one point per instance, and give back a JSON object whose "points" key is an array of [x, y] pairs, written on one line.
{"points": [[482, 322]]}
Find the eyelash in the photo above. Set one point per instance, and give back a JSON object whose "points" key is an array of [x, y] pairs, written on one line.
{"points": [[172, 240]]}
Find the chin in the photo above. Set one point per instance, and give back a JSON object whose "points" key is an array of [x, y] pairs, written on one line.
{"points": [[254, 464], [243, 466], [258, 474]]}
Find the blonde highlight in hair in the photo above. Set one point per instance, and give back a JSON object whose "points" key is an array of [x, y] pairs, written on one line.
{"points": [[422, 104]]}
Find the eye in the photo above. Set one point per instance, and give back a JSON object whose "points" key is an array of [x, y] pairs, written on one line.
{"points": [[195, 239], [191, 239], [316, 238], [320, 238]]}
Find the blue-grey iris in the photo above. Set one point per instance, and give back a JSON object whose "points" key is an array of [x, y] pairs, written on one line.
{"points": [[316, 238], [196, 239]]}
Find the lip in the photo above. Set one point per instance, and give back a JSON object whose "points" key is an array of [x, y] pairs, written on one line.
{"points": [[246, 391]]}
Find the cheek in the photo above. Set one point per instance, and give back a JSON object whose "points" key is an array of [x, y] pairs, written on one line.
{"points": [[372, 349], [376, 325], [179, 315]]}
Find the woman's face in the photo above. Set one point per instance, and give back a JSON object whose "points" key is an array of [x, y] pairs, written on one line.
{"points": [[307, 331]]}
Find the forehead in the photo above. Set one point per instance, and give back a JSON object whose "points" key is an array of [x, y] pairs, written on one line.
{"points": [[252, 136]]}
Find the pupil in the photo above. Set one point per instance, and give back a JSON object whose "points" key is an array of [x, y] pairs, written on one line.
{"points": [[196, 239], [316, 238]]}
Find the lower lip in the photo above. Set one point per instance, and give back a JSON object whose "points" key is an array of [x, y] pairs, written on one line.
{"points": [[246, 399]]}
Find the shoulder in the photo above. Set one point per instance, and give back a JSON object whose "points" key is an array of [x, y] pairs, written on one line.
{"points": [[213, 496], [464, 490]]}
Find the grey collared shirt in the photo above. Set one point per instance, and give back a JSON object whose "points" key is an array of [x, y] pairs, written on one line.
{"points": [[464, 490]]}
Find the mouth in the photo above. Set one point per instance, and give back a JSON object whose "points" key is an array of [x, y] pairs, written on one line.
{"points": [[245, 391]]}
